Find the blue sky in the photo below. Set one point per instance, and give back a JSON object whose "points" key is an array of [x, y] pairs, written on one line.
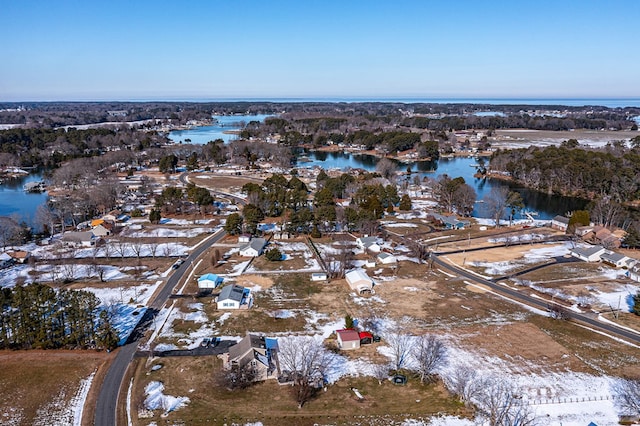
{"points": [[134, 50]]}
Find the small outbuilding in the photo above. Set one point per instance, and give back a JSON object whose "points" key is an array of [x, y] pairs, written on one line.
{"points": [[359, 281], [318, 276], [208, 281], [348, 339]]}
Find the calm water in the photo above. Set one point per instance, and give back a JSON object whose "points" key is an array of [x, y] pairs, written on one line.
{"points": [[546, 205], [204, 134], [14, 201]]}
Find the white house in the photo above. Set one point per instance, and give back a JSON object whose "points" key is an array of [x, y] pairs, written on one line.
{"points": [[560, 223], [589, 254], [101, 231], [209, 281], [359, 281], [387, 258], [369, 243], [234, 297], [254, 248], [244, 238], [348, 339], [616, 259]]}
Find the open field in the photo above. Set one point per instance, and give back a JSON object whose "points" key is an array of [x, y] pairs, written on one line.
{"points": [[522, 138], [39, 387]]}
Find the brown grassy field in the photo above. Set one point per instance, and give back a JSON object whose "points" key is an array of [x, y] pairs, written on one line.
{"points": [[36, 385]]}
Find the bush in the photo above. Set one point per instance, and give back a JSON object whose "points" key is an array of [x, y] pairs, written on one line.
{"points": [[273, 255], [136, 213]]}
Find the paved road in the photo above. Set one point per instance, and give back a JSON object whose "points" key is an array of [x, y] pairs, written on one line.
{"points": [[106, 406], [535, 302]]}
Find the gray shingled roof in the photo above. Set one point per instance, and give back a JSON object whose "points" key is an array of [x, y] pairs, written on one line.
{"points": [[586, 252], [233, 292]]}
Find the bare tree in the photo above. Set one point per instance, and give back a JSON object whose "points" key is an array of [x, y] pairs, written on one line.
{"points": [[386, 168], [167, 250], [496, 202], [627, 396], [308, 361], [400, 344], [9, 231], [467, 384], [137, 246], [45, 219], [338, 263], [380, 372], [502, 405], [429, 354], [237, 377], [121, 248]]}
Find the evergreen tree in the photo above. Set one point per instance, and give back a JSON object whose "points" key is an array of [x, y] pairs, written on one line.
{"points": [[405, 203]]}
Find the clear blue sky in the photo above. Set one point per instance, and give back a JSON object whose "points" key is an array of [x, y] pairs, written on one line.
{"points": [[132, 50]]}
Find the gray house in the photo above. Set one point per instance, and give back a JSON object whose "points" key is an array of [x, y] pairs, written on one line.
{"points": [[254, 248], [234, 297]]}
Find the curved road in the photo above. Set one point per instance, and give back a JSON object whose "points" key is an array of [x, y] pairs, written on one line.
{"points": [[536, 302], [107, 404]]}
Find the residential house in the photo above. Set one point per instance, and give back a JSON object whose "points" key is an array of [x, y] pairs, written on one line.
{"points": [[583, 231], [451, 222], [368, 243], [348, 339], [560, 223], [102, 230], [80, 239], [209, 281], [244, 238], [616, 259], [254, 248], [257, 351], [588, 254], [386, 258], [605, 237], [234, 297], [359, 281]]}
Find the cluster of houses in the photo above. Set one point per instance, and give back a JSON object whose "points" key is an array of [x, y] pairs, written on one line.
{"points": [[594, 234], [93, 232], [618, 260]]}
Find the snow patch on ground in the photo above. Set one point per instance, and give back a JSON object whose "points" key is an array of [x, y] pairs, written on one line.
{"points": [[157, 400]]}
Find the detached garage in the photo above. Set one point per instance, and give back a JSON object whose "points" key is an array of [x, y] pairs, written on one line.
{"points": [[359, 281]]}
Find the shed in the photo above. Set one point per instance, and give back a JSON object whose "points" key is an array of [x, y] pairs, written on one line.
{"points": [[359, 281], [244, 238], [348, 339], [318, 276], [209, 281], [365, 337]]}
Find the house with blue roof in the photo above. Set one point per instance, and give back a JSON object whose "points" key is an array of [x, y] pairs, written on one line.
{"points": [[208, 281]]}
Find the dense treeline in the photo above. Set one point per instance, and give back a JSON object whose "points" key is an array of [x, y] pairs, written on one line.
{"points": [[613, 171], [37, 316], [48, 148]]}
